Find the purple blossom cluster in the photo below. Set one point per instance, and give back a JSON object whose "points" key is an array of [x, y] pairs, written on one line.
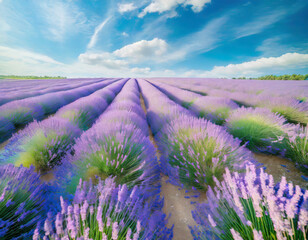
{"points": [[215, 109], [44, 144], [295, 147], [250, 206], [22, 202], [15, 90], [41, 144], [86, 110], [160, 109], [103, 165], [256, 93], [193, 150], [294, 89], [259, 127], [107, 211], [6, 128], [181, 96], [117, 145], [21, 112], [196, 151], [292, 109]]}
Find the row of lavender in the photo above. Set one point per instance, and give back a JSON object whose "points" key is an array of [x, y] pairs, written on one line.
{"points": [[288, 98], [16, 114], [243, 201], [14, 90], [8, 85], [295, 89], [125, 205], [42, 146], [261, 129]]}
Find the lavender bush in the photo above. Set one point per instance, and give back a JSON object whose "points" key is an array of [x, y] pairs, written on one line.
{"points": [[293, 110], [251, 207], [121, 151], [109, 212], [42, 144], [259, 127], [199, 150], [22, 202], [295, 147], [117, 145], [215, 109], [21, 112], [84, 112]]}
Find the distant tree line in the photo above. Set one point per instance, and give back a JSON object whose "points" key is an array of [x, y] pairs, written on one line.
{"points": [[281, 77], [29, 77]]}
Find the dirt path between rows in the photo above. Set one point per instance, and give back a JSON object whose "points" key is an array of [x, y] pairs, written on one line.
{"points": [[177, 201], [278, 167]]}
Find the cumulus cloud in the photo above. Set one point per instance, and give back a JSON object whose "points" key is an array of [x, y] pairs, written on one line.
{"points": [[126, 7], [143, 50], [288, 61], [96, 32], [102, 59], [161, 6]]}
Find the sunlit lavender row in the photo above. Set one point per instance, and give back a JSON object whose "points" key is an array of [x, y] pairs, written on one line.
{"points": [[86, 158]]}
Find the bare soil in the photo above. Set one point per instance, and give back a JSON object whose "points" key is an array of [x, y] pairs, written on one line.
{"points": [[278, 167], [177, 201]]}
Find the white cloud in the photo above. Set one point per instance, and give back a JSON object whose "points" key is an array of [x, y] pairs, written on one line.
{"points": [[197, 5], [22, 55], [286, 62], [125, 34], [161, 6], [62, 18], [24, 62], [142, 50], [96, 32], [126, 7], [102, 59]]}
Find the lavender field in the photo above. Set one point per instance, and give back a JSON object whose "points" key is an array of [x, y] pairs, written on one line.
{"points": [[156, 158]]}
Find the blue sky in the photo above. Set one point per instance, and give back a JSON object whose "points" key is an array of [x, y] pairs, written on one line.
{"points": [[145, 38]]}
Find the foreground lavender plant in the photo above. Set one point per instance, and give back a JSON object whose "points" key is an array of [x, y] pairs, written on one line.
{"points": [[259, 127], [295, 147], [251, 207], [22, 201], [42, 144], [119, 150], [107, 212], [197, 150]]}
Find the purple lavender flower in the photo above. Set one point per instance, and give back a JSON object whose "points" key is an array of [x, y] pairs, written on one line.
{"points": [[264, 209], [292, 109], [259, 127], [215, 109], [42, 144], [200, 150], [117, 145], [130, 218], [27, 196]]}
